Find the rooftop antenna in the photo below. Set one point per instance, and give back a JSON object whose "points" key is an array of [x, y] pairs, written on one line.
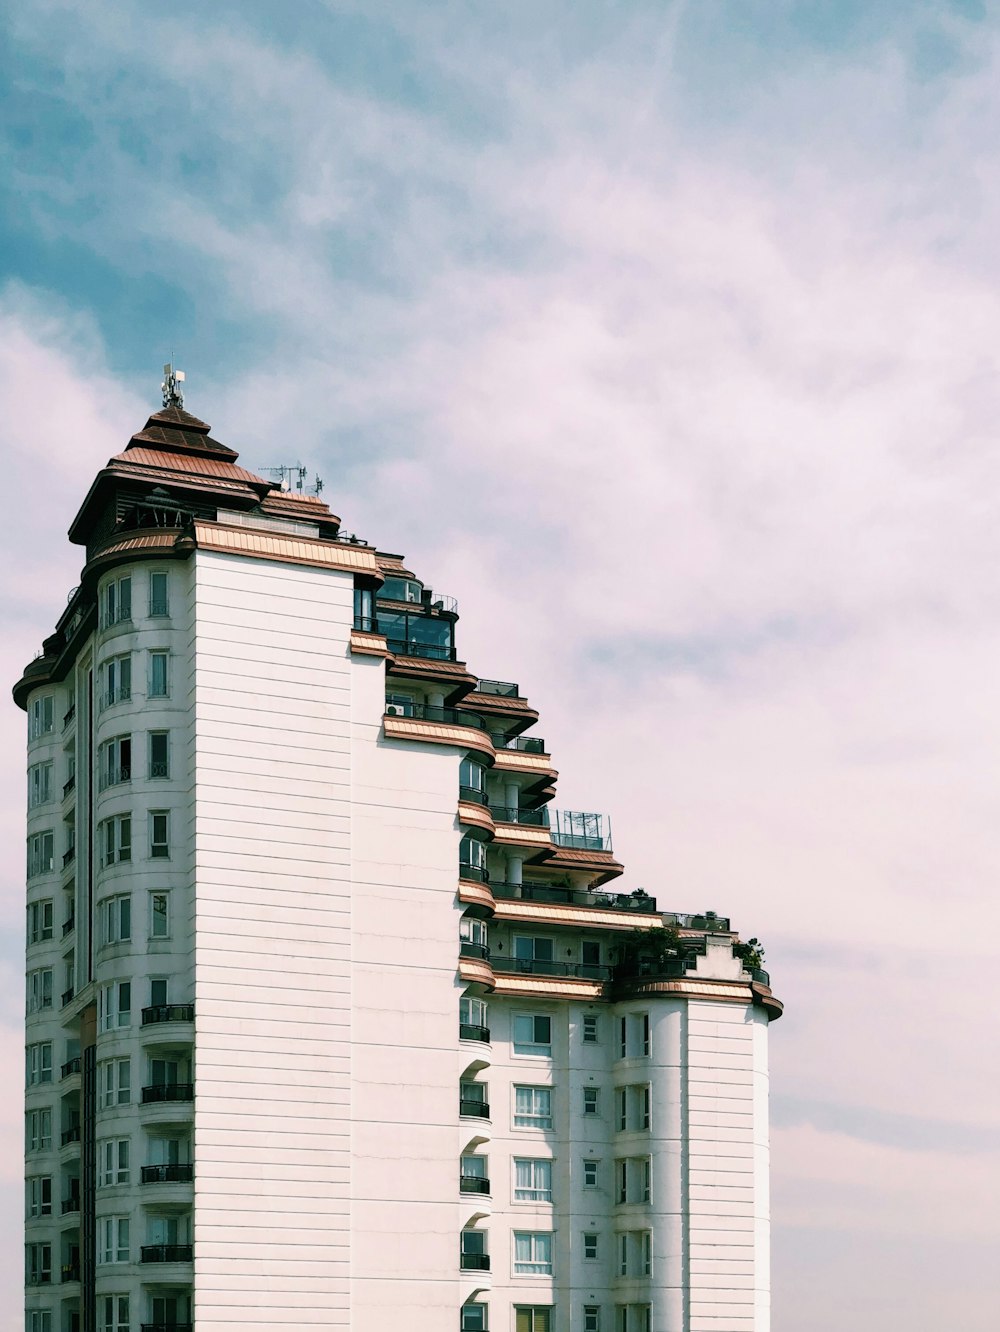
{"points": [[173, 395], [292, 476]]}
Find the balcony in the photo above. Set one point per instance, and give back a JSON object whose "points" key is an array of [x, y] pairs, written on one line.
{"points": [[40, 1279], [68, 716], [474, 795], [115, 776], [469, 949], [430, 712], [170, 1091], [475, 1262], [70, 1067], [69, 786], [473, 1184], [760, 976], [68, 926], [70, 1205], [67, 996], [559, 894], [532, 818], [526, 744], [707, 921], [524, 966], [167, 1174], [166, 1253], [70, 1272], [472, 1031], [581, 832], [113, 696], [500, 688], [69, 856], [167, 1013], [477, 873], [473, 1109], [407, 647], [70, 1135]]}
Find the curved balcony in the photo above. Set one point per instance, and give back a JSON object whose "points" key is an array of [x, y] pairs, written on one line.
{"points": [[475, 1262], [522, 966], [171, 1091], [474, 873], [472, 1031], [167, 1013], [167, 1174], [70, 1135], [473, 1184], [473, 795], [473, 1109], [70, 1205], [70, 1067], [524, 744], [430, 712], [467, 948], [166, 1253]]}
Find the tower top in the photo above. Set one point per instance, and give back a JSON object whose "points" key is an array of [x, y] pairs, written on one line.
{"points": [[173, 395]]}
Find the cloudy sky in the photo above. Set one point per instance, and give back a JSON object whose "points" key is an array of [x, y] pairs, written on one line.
{"points": [[665, 337]]}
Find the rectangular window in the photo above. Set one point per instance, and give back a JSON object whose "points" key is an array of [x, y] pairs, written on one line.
{"points": [[622, 1037], [635, 1253], [632, 1179], [532, 1180], [37, 1320], [159, 754], [41, 850], [39, 921], [39, 784], [114, 1313], [117, 681], [38, 1196], [591, 1318], [159, 915], [158, 684], [632, 1107], [590, 1169], [621, 1181], [115, 761], [528, 948], [158, 987], [115, 837], [590, 957], [112, 1162], [590, 1246], [38, 1264], [633, 1317], [114, 1005], [532, 1034], [38, 1130], [533, 1318], [472, 1015], [113, 1239], [114, 1082], [474, 1317], [533, 1107], [116, 602], [533, 1253], [40, 716], [38, 1064], [159, 834], [39, 989], [158, 600], [116, 919], [590, 1030], [590, 1100], [644, 1047]]}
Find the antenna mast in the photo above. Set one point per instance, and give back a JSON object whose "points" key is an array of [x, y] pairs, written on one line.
{"points": [[173, 395]]}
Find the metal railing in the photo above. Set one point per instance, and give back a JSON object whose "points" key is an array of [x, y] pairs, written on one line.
{"points": [[472, 1108], [69, 856], [467, 948], [707, 921], [473, 795], [167, 1174], [472, 1031], [68, 925], [70, 1205], [408, 647], [166, 1253], [168, 1091], [527, 744], [560, 894], [67, 996], [159, 770], [578, 831], [432, 713], [533, 966], [70, 1067], [534, 818], [477, 873], [70, 1135], [114, 777], [68, 716], [500, 688], [112, 696], [167, 1013], [158, 607], [69, 786], [475, 1262], [473, 1184]]}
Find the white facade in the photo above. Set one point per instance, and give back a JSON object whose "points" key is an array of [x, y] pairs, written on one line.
{"points": [[317, 1042]]}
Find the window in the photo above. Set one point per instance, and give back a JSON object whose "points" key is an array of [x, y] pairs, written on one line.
{"points": [[590, 1169], [114, 1313], [590, 1029], [113, 1239], [40, 854], [590, 1246], [635, 1250], [591, 1318], [39, 989], [622, 1037], [117, 680], [40, 717], [364, 614], [401, 589], [633, 1317], [164, 1072], [472, 1015], [533, 1107], [115, 838], [38, 1196], [158, 602], [475, 1318], [112, 1162], [472, 780], [632, 1107], [474, 1255], [533, 1318], [39, 921], [157, 675], [158, 987], [114, 1005], [38, 1064], [532, 1180], [472, 1100], [532, 1034], [38, 1130], [165, 1151], [37, 1320], [159, 915], [38, 1264], [114, 762], [116, 602], [159, 754], [474, 1167], [472, 931], [590, 957], [533, 1253], [472, 859], [633, 1035], [590, 1100], [644, 1047], [114, 1082], [116, 919], [533, 953], [39, 784], [159, 834]]}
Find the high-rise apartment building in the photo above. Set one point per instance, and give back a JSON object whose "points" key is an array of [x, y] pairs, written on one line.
{"points": [[331, 1022]]}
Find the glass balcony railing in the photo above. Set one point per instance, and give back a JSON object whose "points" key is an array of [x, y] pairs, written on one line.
{"points": [[581, 832], [468, 1105], [169, 1091], [166, 1253], [167, 1013], [525, 744], [560, 893], [432, 713], [500, 688], [533, 818], [473, 1031], [168, 1174], [474, 1184]]}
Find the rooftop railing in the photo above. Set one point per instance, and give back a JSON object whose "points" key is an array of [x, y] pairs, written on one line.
{"points": [[526, 744], [558, 894], [578, 831], [502, 688]]}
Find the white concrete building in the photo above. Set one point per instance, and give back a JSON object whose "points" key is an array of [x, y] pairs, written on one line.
{"points": [[330, 1022]]}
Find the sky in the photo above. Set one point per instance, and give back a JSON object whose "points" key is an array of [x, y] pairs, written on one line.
{"points": [[664, 336]]}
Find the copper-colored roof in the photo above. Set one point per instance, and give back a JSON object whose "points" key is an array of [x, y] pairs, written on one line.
{"points": [[180, 432], [172, 462]]}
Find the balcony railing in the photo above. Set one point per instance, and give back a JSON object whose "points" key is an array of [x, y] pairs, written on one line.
{"points": [[67, 996], [473, 1184], [534, 818], [477, 873], [472, 1108], [68, 716], [168, 1091], [527, 744], [70, 1067], [40, 1278], [70, 1135], [473, 794], [467, 948], [70, 1205], [69, 856], [653, 968], [708, 921], [115, 776], [159, 770], [502, 688], [113, 696], [166, 1253], [472, 1031], [68, 926], [69, 786], [533, 966], [158, 607], [475, 1262], [167, 1013], [168, 1174], [581, 832], [760, 976], [559, 893], [432, 713], [70, 1272], [407, 647]]}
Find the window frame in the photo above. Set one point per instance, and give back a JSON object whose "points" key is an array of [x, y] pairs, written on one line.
{"points": [[540, 1246], [155, 853], [155, 612], [535, 1119], [590, 1034], [533, 1049], [156, 656], [39, 784], [539, 1168]]}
